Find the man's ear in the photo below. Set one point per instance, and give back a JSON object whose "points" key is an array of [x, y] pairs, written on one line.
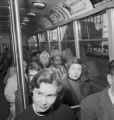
{"points": [[109, 79]]}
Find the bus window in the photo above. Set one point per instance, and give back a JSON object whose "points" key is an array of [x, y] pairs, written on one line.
{"points": [[67, 37], [94, 49]]}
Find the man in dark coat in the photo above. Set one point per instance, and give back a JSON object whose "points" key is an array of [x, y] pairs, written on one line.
{"points": [[100, 106]]}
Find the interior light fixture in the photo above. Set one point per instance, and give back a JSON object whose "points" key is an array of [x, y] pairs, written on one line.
{"points": [[39, 4], [24, 23], [26, 19], [31, 14]]}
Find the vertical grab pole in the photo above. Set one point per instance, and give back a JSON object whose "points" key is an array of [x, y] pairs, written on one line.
{"points": [[59, 38], [18, 45], [12, 32]]}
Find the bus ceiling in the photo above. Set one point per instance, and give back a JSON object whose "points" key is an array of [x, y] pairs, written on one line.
{"points": [[35, 18]]}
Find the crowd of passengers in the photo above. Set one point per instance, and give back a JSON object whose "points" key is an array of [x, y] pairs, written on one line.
{"points": [[57, 87]]}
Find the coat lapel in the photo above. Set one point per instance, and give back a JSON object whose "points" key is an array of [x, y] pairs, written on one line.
{"points": [[107, 109]]}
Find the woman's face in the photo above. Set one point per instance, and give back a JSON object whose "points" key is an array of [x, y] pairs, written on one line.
{"points": [[57, 61], [33, 58], [75, 71], [45, 96]]}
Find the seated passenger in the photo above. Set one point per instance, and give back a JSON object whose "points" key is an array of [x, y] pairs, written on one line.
{"points": [[57, 62], [35, 61], [10, 91], [11, 70], [46, 86], [32, 72], [76, 85], [45, 59], [67, 53], [100, 106]]}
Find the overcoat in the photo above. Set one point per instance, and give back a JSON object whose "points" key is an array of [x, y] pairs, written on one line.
{"points": [[97, 107]]}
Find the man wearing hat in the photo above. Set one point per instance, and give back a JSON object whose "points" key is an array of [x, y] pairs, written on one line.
{"points": [[100, 106]]}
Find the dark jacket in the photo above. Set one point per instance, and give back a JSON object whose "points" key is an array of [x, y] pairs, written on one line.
{"points": [[75, 91], [97, 107], [63, 112]]}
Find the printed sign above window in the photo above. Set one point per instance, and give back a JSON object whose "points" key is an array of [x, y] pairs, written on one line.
{"points": [[57, 14], [77, 6]]}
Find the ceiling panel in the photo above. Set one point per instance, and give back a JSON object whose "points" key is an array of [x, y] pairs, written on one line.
{"points": [[25, 6]]}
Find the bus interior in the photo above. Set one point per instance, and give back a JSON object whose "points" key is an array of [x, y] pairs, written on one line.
{"points": [[83, 26]]}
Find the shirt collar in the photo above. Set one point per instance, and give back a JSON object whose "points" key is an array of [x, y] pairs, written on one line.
{"points": [[111, 96]]}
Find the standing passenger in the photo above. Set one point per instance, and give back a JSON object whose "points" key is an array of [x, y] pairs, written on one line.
{"points": [[57, 62], [46, 86], [10, 91], [100, 106], [76, 85]]}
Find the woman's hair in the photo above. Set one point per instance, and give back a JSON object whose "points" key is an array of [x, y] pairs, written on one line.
{"points": [[47, 75], [73, 60]]}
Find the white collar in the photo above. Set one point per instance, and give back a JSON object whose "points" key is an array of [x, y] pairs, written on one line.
{"points": [[111, 96], [34, 108], [39, 114]]}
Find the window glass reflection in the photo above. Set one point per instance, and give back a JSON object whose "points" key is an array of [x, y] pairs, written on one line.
{"points": [[94, 49], [53, 39], [67, 37]]}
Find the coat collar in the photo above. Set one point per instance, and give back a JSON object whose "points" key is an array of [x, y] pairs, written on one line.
{"points": [[105, 99], [106, 106]]}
